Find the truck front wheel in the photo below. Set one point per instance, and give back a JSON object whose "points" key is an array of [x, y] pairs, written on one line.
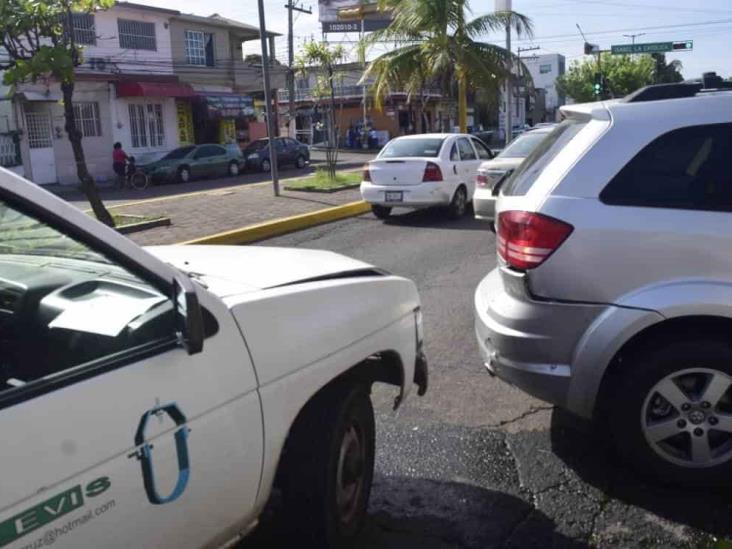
{"points": [[329, 467]]}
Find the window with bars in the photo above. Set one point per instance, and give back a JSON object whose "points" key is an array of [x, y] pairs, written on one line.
{"points": [[84, 31], [146, 125], [9, 152], [199, 48], [39, 130], [87, 118], [136, 35]]}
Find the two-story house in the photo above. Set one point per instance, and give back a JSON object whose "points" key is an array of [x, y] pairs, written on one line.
{"points": [[140, 84], [207, 54]]}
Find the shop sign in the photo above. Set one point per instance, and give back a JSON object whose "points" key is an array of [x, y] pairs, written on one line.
{"points": [[230, 106]]}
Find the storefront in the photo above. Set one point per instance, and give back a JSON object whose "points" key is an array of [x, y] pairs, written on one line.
{"points": [[226, 118]]}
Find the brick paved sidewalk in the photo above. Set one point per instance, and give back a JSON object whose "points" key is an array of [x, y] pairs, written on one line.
{"points": [[214, 211]]}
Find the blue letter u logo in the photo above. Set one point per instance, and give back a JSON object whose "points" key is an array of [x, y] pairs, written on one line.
{"points": [[144, 454]]}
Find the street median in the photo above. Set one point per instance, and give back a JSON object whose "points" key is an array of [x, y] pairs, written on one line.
{"points": [[276, 227]]}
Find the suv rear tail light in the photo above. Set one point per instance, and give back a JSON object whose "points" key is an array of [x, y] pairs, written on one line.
{"points": [[366, 176], [525, 239], [481, 180], [432, 172]]}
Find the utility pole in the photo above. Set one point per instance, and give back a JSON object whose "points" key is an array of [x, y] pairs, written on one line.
{"points": [[634, 36], [505, 7], [291, 7], [268, 102], [509, 87], [364, 138]]}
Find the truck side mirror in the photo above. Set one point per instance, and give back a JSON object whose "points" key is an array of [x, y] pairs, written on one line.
{"points": [[189, 319]]}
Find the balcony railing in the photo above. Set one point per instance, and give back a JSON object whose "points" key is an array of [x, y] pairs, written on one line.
{"points": [[341, 92]]}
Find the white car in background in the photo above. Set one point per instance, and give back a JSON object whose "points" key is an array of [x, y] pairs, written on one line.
{"points": [[493, 171], [419, 171]]}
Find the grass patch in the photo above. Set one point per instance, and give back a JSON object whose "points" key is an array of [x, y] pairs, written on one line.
{"points": [[321, 182]]}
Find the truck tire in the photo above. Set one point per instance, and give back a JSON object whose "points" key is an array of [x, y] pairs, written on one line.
{"points": [[328, 468], [674, 420]]}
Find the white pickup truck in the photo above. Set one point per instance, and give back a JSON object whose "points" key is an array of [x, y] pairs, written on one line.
{"points": [[155, 398]]}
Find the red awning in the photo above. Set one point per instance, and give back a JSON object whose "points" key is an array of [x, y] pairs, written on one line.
{"points": [[154, 89]]}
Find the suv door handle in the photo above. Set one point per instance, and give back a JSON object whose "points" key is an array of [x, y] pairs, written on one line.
{"points": [[454, 169]]}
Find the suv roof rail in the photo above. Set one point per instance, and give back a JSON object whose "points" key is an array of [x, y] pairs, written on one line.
{"points": [[709, 81]]}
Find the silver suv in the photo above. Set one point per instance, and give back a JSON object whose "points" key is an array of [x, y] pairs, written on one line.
{"points": [[613, 294]]}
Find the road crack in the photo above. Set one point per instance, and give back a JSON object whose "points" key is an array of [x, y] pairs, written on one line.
{"points": [[530, 412]]}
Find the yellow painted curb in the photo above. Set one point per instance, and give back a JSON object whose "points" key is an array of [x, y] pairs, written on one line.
{"points": [[268, 229]]}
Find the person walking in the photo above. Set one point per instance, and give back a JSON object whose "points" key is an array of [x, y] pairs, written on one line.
{"points": [[119, 163]]}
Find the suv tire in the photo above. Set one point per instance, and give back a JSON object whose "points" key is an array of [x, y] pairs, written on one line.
{"points": [[698, 420], [328, 467]]}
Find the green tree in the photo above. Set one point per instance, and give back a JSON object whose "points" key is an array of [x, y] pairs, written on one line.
{"points": [[624, 74], [323, 61], [667, 73], [38, 38], [435, 41]]}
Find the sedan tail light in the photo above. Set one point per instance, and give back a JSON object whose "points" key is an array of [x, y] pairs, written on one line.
{"points": [[366, 176], [432, 172], [481, 180], [526, 239]]}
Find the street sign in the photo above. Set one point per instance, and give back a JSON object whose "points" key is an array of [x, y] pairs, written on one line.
{"points": [[652, 47]]}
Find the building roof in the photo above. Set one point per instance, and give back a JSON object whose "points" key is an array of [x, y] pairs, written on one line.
{"points": [[220, 21], [132, 5]]}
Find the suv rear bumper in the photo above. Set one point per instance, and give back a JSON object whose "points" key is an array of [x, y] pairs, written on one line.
{"points": [[528, 343]]}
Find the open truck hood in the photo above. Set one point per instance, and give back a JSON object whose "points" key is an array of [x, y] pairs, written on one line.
{"points": [[231, 270]]}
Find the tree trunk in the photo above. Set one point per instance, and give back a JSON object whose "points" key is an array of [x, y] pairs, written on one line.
{"points": [[462, 103], [87, 183], [332, 156]]}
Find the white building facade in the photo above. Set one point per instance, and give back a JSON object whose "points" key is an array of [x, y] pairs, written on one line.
{"points": [[131, 89], [544, 70]]}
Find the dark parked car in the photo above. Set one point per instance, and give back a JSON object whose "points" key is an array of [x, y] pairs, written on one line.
{"points": [[289, 151], [196, 161]]}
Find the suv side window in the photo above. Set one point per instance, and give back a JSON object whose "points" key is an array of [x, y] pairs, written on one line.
{"points": [[68, 311], [466, 149], [688, 168]]}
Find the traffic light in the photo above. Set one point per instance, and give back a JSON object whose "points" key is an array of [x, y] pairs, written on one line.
{"points": [[683, 46], [597, 87]]}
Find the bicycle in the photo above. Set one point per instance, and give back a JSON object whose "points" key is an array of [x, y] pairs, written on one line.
{"points": [[134, 178]]}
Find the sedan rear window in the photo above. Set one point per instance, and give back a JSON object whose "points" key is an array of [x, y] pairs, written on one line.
{"points": [[398, 148], [523, 145], [521, 180]]}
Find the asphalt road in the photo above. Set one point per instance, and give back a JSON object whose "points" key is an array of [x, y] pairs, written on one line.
{"points": [[476, 463]]}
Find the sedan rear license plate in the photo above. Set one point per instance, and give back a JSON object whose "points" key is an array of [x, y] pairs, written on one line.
{"points": [[394, 196]]}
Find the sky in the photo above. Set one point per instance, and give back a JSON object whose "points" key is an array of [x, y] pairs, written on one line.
{"points": [[605, 22]]}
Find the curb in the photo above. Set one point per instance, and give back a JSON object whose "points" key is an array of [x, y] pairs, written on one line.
{"points": [[276, 227], [324, 191], [143, 225]]}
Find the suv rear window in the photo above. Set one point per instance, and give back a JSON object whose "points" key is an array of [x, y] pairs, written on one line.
{"points": [[686, 168], [398, 148], [521, 180]]}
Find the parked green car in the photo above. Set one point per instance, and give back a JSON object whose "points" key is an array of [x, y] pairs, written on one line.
{"points": [[196, 161]]}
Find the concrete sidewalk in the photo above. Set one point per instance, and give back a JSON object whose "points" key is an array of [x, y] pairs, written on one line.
{"points": [[205, 213]]}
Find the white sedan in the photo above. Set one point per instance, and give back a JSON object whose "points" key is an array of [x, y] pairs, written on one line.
{"points": [[419, 171]]}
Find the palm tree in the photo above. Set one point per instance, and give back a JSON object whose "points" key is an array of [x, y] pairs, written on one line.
{"points": [[435, 42]]}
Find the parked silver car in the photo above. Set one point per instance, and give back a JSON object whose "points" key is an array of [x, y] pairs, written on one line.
{"points": [[492, 171], [613, 295]]}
